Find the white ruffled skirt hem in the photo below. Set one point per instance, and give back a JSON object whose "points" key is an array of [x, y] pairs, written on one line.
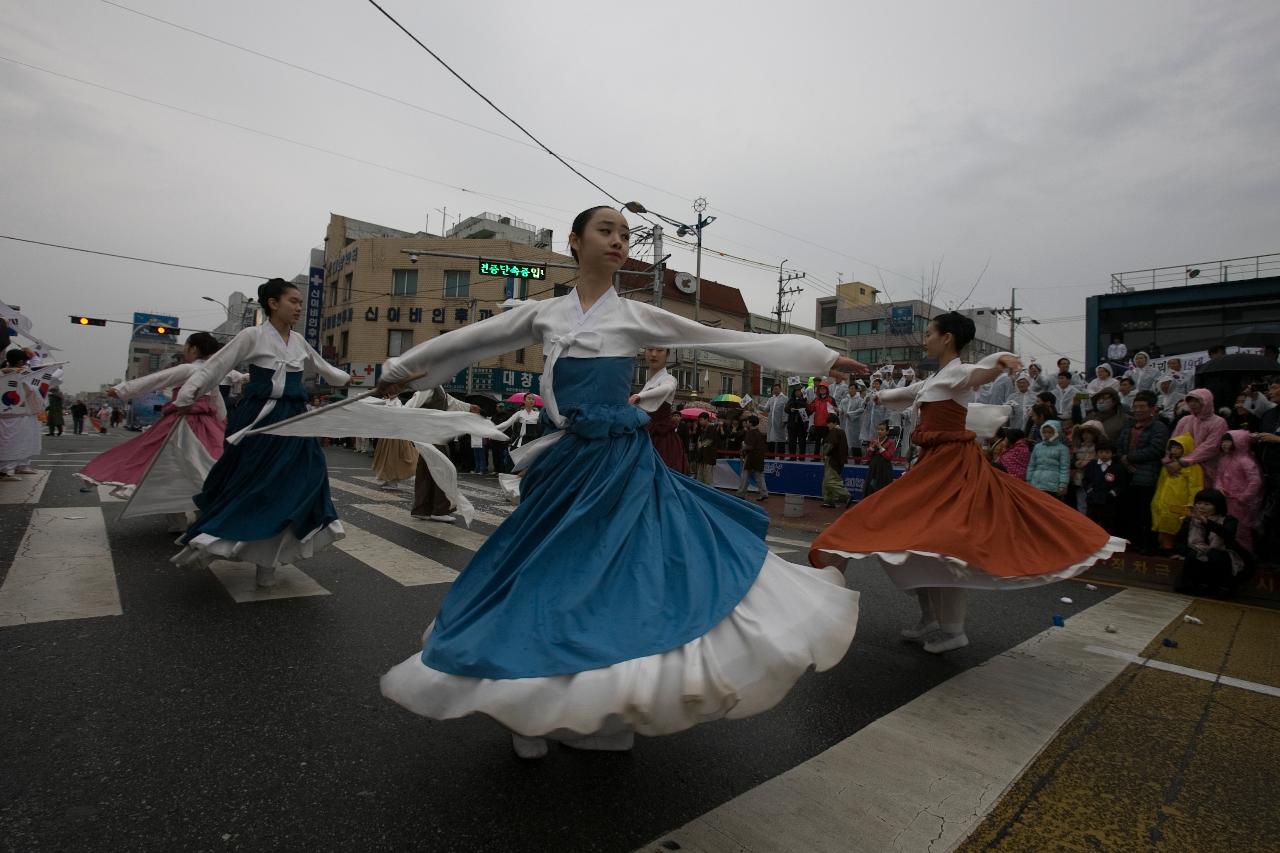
{"points": [[283, 548], [915, 569], [792, 618]]}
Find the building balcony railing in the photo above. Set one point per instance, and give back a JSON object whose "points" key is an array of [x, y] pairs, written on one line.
{"points": [[1208, 272]]}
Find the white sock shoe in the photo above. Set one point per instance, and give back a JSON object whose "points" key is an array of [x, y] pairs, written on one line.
{"points": [[946, 643], [528, 747], [265, 576], [920, 630], [620, 742]]}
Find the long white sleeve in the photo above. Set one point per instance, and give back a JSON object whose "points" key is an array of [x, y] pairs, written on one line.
{"points": [[899, 399], [787, 352], [167, 378], [652, 398], [332, 375], [439, 359], [207, 376]]}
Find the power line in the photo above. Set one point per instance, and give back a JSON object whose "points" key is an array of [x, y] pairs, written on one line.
{"points": [[375, 93], [133, 258], [515, 202], [496, 108]]}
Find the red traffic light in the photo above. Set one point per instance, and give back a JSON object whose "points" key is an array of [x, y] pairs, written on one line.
{"points": [[88, 321]]}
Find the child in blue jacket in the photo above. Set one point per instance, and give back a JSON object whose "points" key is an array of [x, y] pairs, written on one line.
{"points": [[1050, 466]]}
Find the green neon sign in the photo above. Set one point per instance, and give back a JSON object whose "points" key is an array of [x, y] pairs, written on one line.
{"points": [[505, 270]]}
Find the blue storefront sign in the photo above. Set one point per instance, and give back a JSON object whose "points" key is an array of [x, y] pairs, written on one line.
{"points": [[494, 380], [900, 320], [315, 307], [800, 478]]}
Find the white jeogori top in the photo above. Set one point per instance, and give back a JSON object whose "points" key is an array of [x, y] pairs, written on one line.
{"points": [[175, 377], [261, 346], [612, 327], [660, 388]]}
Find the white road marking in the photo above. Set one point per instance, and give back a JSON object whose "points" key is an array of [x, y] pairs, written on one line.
{"points": [[1186, 670], [241, 582], [452, 533], [27, 489], [400, 564], [105, 496], [367, 494], [63, 569]]}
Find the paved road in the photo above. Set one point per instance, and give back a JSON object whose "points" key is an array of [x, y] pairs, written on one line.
{"points": [[194, 720]]}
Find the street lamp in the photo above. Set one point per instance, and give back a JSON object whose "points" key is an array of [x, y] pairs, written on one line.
{"points": [[683, 230], [217, 302]]}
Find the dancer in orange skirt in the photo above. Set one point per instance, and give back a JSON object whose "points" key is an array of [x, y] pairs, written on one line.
{"points": [[986, 530]]}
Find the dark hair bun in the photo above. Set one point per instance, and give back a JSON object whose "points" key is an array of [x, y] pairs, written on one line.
{"points": [[960, 327], [272, 289]]}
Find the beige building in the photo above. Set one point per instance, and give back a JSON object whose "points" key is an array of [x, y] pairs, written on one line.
{"points": [[379, 301]]}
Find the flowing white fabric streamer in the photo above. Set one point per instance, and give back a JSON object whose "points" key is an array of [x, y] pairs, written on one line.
{"points": [[421, 426], [175, 474], [446, 477], [983, 419]]}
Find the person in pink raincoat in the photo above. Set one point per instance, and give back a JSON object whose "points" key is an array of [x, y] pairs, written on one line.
{"points": [[1240, 479], [1207, 429]]}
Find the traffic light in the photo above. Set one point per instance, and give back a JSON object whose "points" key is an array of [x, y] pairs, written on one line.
{"points": [[161, 330], [88, 321]]}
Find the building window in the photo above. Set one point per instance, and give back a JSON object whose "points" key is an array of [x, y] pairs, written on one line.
{"points": [[858, 327], [641, 375], [398, 340], [726, 383], [520, 356], [828, 317], [457, 283], [333, 292], [346, 340], [404, 282], [348, 281], [684, 376], [866, 356]]}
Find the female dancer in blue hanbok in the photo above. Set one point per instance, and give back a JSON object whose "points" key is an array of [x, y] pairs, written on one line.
{"points": [[619, 597], [266, 501]]}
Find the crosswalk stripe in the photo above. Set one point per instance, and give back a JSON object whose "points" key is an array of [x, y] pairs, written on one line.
{"points": [[26, 490], [361, 491], [488, 517], [796, 543], [454, 535], [240, 581], [400, 564], [105, 496], [63, 569]]}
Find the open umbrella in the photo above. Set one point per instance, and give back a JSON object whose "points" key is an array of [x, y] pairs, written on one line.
{"points": [[1239, 362], [1258, 333], [518, 397], [698, 404], [693, 413], [727, 400]]}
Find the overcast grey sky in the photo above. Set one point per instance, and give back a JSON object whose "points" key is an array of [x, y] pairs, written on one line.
{"points": [[1060, 141]]}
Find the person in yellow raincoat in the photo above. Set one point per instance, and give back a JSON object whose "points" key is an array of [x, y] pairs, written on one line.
{"points": [[1175, 493]]}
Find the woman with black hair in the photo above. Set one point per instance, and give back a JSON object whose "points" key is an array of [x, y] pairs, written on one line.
{"points": [[173, 457], [619, 596], [985, 529], [266, 501]]}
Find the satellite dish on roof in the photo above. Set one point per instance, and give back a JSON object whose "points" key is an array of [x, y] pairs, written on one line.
{"points": [[686, 283]]}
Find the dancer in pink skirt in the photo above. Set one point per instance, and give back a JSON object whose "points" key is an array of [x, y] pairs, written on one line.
{"points": [[160, 470]]}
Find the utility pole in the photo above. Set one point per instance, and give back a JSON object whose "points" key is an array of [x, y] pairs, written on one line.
{"points": [[784, 291], [1014, 320], [657, 266], [699, 205]]}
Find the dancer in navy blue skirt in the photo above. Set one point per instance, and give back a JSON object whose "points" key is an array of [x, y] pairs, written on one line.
{"points": [[266, 501], [620, 596]]}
